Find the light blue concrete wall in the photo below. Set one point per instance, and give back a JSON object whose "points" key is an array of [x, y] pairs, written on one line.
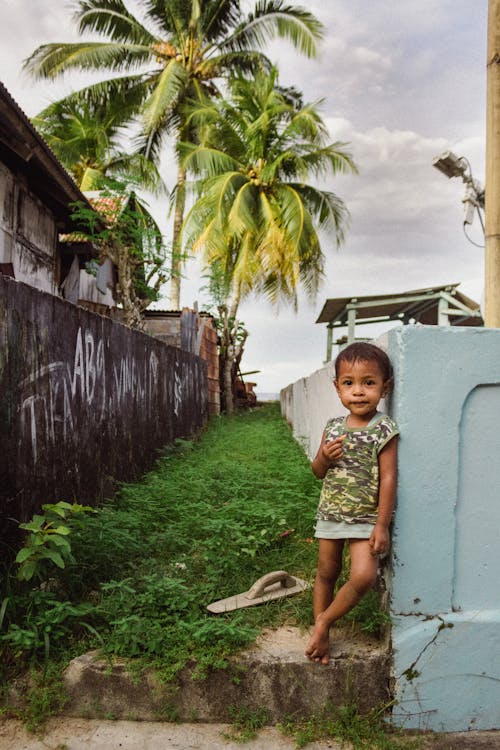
{"points": [[446, 550]]}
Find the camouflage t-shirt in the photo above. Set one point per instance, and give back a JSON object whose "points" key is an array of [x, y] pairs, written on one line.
{"points": [[350, 487]]}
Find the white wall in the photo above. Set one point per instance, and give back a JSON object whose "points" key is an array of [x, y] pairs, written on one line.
{"points": [[307, 404]]}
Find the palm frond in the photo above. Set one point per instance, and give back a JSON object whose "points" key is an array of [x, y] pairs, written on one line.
{"points": [[327, 208], [219, 18], [171, 17], [52, 60], [216, 64], [112, 19], [138, 172], [273, 19], [166, 93], [246, 265], [241, 218], [208, 162]]}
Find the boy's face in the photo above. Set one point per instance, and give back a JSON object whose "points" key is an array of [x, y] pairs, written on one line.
{"points": [[360, 386]]}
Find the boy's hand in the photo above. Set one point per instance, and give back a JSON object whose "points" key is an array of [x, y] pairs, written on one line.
{"points": [[379, 540], [333, 449]]}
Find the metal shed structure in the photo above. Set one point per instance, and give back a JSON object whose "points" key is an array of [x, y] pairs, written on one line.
{"points": [[437, 305]]}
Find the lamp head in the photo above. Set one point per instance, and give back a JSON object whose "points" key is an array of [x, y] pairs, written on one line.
{"points": [[450, 164]]}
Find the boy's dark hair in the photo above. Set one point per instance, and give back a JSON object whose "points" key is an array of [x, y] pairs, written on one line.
{"points": [[361, 351]]}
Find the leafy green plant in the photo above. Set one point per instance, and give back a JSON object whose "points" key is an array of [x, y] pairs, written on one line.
{"points": [[368, 614], [47, 544], [125, 232], [47, 622]]}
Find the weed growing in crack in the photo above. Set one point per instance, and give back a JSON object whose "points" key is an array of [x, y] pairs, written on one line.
{"points": [[246, 723], [42, 694], [346, 725]]}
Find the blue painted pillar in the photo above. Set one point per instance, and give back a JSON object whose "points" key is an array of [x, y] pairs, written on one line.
{"points": [[445, 600]]}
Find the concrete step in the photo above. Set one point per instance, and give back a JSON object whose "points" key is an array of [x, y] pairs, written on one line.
{"points": [[274, 675]]}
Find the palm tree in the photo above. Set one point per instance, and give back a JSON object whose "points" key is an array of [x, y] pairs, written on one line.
{"points": [[178, 53], [88, 138], [256, 219]]}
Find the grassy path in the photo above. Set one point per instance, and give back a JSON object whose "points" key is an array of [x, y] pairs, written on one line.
{"points": [[211, 519], [213, 516]]}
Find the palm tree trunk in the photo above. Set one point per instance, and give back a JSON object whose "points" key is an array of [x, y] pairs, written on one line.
{"points": [[235, 298], [228, 379], [176, 265], [233, 349]]}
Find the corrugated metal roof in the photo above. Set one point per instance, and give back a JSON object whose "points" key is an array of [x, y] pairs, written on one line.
{"points": [[418, 304], [155, 313]]}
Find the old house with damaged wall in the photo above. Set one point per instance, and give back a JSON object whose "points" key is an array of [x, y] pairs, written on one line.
{"points": [[35, 197]]}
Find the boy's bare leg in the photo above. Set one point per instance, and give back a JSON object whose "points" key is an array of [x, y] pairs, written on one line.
{"points": [[329, 568], [362, 577]]}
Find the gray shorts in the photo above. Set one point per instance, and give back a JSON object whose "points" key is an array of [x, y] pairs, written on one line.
{"points": [[341, 530]]}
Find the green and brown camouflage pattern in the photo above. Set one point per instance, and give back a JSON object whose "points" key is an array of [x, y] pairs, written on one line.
{"points": [[350, 486]]}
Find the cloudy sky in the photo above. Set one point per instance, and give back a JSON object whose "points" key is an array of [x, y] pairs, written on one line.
{"points": [[401, 82]]}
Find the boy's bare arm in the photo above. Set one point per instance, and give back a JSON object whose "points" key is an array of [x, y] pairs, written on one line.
{"points": [[328, 452], [388, 472]]}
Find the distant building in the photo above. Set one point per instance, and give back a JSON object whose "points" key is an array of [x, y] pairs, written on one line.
{"points": [[193, 332]]}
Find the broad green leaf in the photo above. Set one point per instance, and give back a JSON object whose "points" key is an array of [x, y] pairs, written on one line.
{"points": [[27, 570], [55, 557], [35, 524], [62, 530], [23, 554]]}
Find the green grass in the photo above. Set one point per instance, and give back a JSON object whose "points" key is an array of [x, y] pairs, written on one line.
{"points": [[213, 516], [351, 729]]}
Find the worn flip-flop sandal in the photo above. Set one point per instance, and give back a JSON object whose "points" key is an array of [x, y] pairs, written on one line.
{"points": [[274, 585]]}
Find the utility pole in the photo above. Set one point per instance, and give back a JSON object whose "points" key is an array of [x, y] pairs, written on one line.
{"points": [[492, 188]]}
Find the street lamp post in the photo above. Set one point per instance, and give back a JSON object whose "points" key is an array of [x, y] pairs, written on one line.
{"points": [[492, 231], [458, 166]]}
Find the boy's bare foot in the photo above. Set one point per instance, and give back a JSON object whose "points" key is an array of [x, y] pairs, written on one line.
{"points": [[318, 647]]}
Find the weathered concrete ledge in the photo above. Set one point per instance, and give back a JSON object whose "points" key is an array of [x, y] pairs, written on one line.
{"points": [[273, 675]]}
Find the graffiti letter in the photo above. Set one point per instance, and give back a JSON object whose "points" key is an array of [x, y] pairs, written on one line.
{"points": [[29, 403], [89, 366], [100, 374], [67, 415], [177, 392], [78, 366]]}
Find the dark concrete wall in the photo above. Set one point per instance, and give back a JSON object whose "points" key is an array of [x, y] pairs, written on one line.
{"points": [[84, 401]]}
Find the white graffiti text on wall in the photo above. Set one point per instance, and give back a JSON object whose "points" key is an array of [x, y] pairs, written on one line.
{"points": [[93, 384]]}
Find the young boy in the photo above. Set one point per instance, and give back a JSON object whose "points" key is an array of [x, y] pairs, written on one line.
{"points": [[357, 459]]}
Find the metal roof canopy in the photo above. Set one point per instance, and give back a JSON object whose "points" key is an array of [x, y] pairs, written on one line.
{"points": [[437, 305]]}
